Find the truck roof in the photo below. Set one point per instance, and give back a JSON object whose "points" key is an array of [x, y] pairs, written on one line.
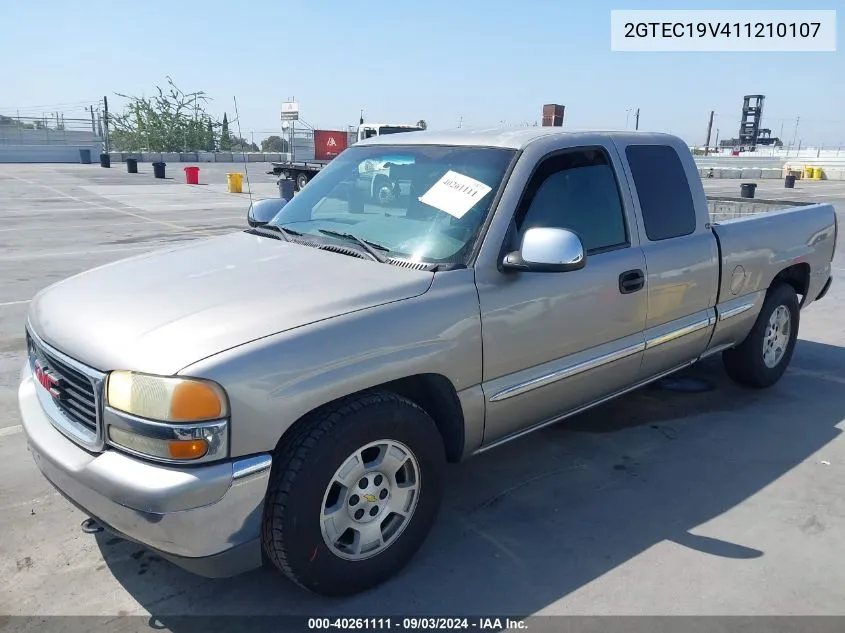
{"points": [[411, 125], [510, 138]]}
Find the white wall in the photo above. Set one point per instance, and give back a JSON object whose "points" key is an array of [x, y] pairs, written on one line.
{"points": [[47, 153]]}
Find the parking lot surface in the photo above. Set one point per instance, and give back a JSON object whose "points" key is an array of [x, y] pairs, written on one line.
{"points": [[728, 501]]}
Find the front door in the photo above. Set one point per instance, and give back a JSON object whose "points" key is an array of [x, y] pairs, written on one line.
{"points": [[556, 341]]}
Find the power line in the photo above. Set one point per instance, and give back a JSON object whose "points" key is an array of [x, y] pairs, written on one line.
{"points": [[50, 105]]}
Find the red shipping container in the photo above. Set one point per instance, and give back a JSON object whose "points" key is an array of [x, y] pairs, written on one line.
{"points": [[329, 143]]}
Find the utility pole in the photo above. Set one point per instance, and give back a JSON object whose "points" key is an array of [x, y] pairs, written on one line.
{"points": [[795, 133], [709, 129], [637, 120], [106, 122], [717, 140], [93, 127], [460, 121]]}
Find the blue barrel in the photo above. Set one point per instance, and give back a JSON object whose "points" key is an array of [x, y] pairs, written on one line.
{"points": [[85, 156]]}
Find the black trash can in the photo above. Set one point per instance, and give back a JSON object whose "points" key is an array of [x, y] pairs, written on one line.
{"points": [[746, 189], [132, 165], [85, 156], [158, 169], [789, 182], [105, 160], [286, 189]]}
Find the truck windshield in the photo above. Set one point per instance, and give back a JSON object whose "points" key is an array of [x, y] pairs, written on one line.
{"points": [[424, 203]]}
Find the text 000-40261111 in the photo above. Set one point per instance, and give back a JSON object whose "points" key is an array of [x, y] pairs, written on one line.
{"points": [[723, 30]]}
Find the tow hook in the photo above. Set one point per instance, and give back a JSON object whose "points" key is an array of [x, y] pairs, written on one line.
{"points": [[91, 526]]}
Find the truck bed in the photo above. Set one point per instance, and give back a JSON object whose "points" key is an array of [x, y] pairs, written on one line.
{"points": [[754, 248], [727, 208]]}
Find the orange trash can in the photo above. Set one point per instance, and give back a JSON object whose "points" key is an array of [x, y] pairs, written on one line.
{"points": [[192, 175]]}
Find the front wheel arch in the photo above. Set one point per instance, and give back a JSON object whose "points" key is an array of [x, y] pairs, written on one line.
{"points": [[433, 393]]}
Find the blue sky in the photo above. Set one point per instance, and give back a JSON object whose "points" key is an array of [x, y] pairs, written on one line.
{"points": [[487, 62]]}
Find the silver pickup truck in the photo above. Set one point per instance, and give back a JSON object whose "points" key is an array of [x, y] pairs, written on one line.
{"points": [[290, 394]]}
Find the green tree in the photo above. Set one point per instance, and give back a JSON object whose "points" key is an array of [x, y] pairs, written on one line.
{"points": [[237, 144], [171, 121], [274, 144], [209, 136], [225, 139], [422, 124]]}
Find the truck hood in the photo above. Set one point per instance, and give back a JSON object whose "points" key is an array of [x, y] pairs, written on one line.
{"points": [[164, 310]]}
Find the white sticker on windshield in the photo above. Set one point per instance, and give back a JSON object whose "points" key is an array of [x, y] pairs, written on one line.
{"points": [[455, 193]]}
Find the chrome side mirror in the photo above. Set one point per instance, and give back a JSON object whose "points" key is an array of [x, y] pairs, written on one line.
{"points": [[548, 250]]}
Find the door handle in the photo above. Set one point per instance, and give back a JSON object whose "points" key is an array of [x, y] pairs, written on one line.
{"points": [[631, 281]]}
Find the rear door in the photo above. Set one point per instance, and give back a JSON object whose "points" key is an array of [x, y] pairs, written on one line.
{"points": [[681, 254]]}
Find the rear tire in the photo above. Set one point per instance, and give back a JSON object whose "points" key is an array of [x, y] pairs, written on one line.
{"points": [[336, 538], [301, 181], [762, 358]]}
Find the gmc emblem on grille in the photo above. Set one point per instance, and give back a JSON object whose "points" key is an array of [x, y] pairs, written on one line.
{"points": [[47, 379]]}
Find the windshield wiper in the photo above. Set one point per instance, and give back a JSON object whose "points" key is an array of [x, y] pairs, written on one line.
{"points": [[371, 247], [273, 230], [281, 230]]}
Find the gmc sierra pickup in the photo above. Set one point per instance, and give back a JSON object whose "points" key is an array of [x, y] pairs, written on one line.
{"points": [[291, 393]]}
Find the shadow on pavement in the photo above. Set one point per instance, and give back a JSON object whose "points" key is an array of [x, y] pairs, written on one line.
{"points": [[525, 525]]}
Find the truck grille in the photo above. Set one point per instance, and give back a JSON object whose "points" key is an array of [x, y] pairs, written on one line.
{"points": [[73, 392]]}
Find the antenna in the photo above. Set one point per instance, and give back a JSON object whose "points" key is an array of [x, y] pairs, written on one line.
{"points": [[243, 151]]}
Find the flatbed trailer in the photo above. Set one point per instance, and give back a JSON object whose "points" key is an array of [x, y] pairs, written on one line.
{"points": [[299, 171]]}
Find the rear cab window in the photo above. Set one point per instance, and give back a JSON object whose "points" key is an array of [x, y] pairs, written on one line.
{"points": [[663, 191]]}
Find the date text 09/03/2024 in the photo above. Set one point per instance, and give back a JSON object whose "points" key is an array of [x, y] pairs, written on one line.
{"points": [[417, 624]]}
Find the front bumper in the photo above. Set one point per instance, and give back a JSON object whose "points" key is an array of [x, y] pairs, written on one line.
{"points": [[206, 519]]}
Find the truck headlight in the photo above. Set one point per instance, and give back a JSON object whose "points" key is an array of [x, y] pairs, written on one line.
{"points": [[164, 398], [160, 448], [166, 418]]}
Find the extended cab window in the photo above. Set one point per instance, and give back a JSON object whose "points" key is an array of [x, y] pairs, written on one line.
{"points": [[663, 191], [577, 191]]}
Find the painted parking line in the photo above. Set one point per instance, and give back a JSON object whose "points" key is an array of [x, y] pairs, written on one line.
{"points": [[226, 218], [14, 303], [10, 430], [98, 205]]}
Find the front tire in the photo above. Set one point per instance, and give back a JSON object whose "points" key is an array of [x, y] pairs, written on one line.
{"points": [[354, 494], [762, 358]]}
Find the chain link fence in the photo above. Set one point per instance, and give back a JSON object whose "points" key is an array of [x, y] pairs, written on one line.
{"points": [[45, 130]]}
